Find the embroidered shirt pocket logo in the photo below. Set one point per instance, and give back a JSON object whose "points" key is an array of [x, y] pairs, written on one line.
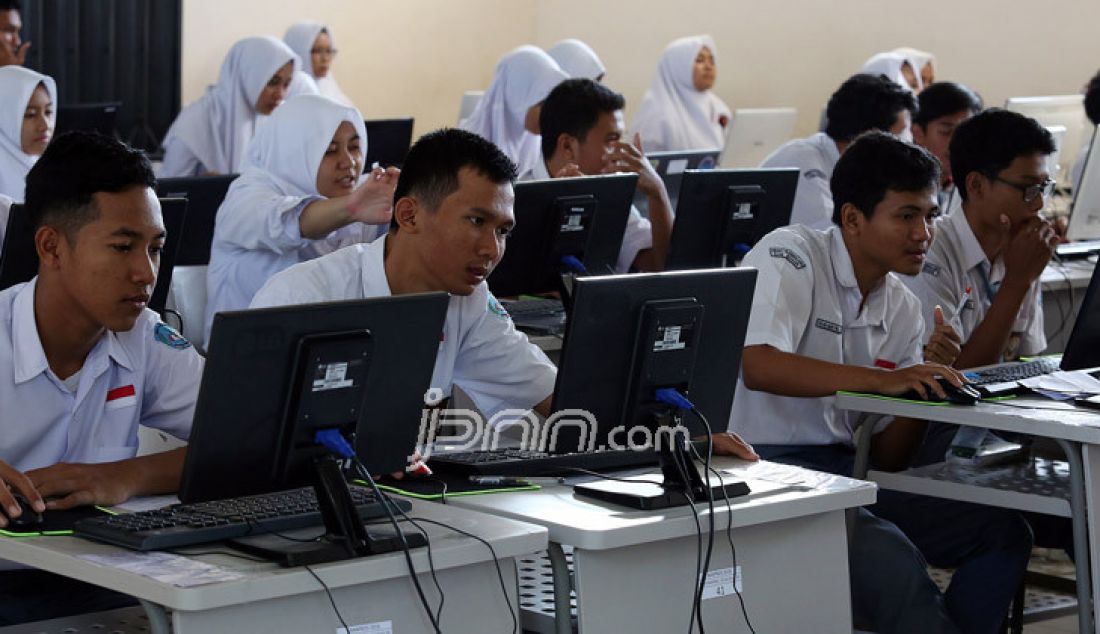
{"points": [[825, 324], [793, 258]]}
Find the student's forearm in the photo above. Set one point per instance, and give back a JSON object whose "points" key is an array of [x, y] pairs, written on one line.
{"points": [[156, 473], [987, 342], [660, 220], [767, 369], [894, 447], [322, 217]]}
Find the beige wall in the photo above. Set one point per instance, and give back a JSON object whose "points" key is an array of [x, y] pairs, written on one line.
{"points": [[416, 57]]}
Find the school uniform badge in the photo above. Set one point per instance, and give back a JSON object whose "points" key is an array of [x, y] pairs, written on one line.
{"points": [[168, 335], [496, 308]]}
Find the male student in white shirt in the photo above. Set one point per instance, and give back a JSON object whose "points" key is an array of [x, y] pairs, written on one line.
{"points": [[862, 103], [941, 107], [83, 361], [582, 134], [829, 313], [1092, 111], [12, 49]]}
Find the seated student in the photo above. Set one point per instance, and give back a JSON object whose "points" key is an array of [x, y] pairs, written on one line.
{"points": [[508, 114], [577, 59], [862, 103], [315, 47], [301, 194], [83, 360], [921, 61], [940, 109], [210, 134], [582, 126], [680, 111], [13, 51], [895, 67], [998, 245], [27, 101], [829, 313], [1092, 111]]}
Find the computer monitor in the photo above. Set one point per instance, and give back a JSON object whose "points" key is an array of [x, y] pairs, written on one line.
{"points": [[1084, 218], [1083, 347], [204, 196], [754, 133], [1063, 110], [19, 259], [632, 335], [469, 102], [723, 213], [388, 141], [564, 226], [100, 117], [671, 166]]}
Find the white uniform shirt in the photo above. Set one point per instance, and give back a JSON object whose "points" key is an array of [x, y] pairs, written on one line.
{"points": [[815, 157], [956, 262], [148, 375], [637, 236], [807, 303], [481, 351]]}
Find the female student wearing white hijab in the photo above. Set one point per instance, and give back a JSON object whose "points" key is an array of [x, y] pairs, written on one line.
{"points": [[680, 111], [896, 68], [508, 114], [210, 135], [301, 194], [27, 101], [577, 59], [923, 62], [313, 44]]}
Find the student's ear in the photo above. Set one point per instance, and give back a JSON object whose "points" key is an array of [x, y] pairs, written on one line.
{"points": [[406, 214], [918, 133], [851, 219], [976, 185], [47, 242], [566, 148]]}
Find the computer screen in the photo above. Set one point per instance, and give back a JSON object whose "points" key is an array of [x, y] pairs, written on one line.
{"points": [[275, 376], [100, 117], [1084, 218], [563, 225], [1063, 110], [630, 335], [19, 259], [723, 213], [671, 166], [1083, 346], [204, 196], [754, 133], [388, 141]]}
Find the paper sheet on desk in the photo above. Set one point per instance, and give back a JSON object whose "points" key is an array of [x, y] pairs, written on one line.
{"points": [[179, 571], [1075, 382]]}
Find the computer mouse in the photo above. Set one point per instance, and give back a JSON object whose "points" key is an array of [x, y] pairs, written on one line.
{"points": [[965, 395], [29, 518]]}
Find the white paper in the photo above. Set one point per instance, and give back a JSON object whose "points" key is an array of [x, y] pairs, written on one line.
{"points": [[147, 503], [378, 627], [677, 166], [182, 572], [1075, 382], [722, 582]]}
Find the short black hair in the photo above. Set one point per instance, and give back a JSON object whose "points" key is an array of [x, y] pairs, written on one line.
{"points": [[430, 172], [75, 166], [876, 162], [11, 5], [1092, 99], [865, 102], [574, 107], [989, 141], [945, 98]]}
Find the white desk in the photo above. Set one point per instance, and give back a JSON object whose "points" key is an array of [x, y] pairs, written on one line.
{"points": [[634, 570], [368, 590], [1077, 430], [1063, 287]]}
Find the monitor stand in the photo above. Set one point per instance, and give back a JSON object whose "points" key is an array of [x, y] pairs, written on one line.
{"points": [[345, 535]]}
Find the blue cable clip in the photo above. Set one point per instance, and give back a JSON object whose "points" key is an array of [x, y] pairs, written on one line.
{"points": [[332, 440], [673, 398], [573, 263]]}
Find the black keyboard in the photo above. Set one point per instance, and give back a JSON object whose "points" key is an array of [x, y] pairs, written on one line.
{"points": [[537, 316], [182, 525], [523, 462], [1011, 372], [1078, 249], [525, 307]]}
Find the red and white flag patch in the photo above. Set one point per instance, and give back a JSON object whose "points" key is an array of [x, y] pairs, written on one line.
{"points": [[119, 397]]}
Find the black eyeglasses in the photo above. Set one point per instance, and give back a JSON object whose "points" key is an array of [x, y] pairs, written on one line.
{"points": [[324, 52], [1031, 192]]}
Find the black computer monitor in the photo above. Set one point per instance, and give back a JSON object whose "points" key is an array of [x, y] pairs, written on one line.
{"points": [[632, 335], [204, 196], [19, 260], [721, 214], [1083, 347], [100, 117], [388, 141], [670, 166], [571, 226]]}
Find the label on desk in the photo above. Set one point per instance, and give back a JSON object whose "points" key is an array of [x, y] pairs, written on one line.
{"points": [[378, 627], [166, 568], [722, 583]]}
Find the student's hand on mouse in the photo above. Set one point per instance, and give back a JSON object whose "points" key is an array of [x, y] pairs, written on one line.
{"points": [[919, 378], [945, 345], [624, 157], [372, 201], [9, 55], [569, 170], [72, 485], [730, 444], [1029, 250], [16, 482]]}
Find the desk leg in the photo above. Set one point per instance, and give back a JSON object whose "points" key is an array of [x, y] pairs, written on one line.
{"points": [[1087, 508], [563, 586], [158, 617], [860, 466]]}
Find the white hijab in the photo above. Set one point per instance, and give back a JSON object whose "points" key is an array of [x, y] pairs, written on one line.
{"points": [[577, 59], [917, 59], [674, 115], [523, 78], [17, 85], [218, 126], [889, 64], [300, 37]]}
